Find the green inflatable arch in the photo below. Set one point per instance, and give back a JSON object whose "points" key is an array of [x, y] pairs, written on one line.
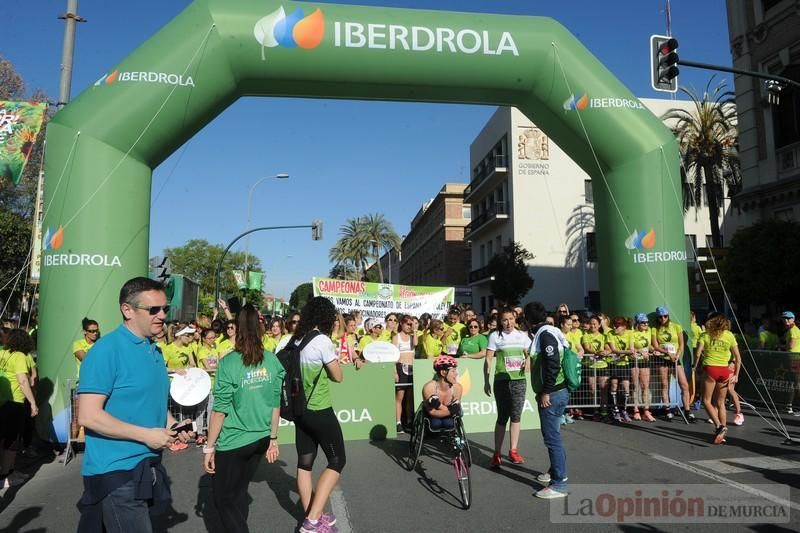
{"points": [[103, 146]]}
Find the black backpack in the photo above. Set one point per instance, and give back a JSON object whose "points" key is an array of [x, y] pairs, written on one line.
{"points": [[293, 396]]}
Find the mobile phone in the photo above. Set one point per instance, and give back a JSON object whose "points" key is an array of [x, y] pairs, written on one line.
{"points": [[186, 425]]}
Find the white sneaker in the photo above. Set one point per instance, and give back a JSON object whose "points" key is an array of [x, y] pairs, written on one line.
{"points": [[738, 419], [545, 478], [548, 493]]}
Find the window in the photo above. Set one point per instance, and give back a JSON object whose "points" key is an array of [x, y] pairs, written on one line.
{"points": [[591, 247], [483, 305], [786, 116], [499, 244], [769, 4], [786, 214], [587, 191], [490, 249], [483, 255], [709, 241], [467, 212]]}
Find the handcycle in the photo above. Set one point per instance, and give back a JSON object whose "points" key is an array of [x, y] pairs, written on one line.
{"points": [[455, 439]]}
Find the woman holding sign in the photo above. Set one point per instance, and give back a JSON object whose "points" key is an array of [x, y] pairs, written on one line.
{"points": [[244, 423], [508, 348], [406, 342]]}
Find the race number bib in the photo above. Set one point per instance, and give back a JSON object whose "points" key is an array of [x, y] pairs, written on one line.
{"points": [[515, 363], [668, 347]]}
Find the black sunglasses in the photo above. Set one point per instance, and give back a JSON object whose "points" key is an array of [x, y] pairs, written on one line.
{"points": [[152, 310]]}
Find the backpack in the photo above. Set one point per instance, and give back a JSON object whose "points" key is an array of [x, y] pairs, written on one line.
{"points": [[293, 395], [570, 370]]}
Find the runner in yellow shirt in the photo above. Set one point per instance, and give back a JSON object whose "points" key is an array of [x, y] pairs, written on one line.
{"points": [[274, 334], [667, 341], [595, 365], [91, 332], [792, 339], [433, 340], [619, 345]]}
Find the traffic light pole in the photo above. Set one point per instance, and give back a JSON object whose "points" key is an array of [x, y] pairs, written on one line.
{"points": [[314, 227], [708, 66]]}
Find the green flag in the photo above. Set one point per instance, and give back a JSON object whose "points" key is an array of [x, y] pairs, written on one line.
{"points": [[238, 275], [19, 126], [254, 280]]}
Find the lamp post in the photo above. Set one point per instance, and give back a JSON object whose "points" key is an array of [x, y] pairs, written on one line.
{"points": [[249, 208]]}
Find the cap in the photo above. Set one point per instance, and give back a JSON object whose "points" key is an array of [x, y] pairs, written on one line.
{"points": [[188, 330], [640, 317], [372, 322], [787, 314], [662, 311]]}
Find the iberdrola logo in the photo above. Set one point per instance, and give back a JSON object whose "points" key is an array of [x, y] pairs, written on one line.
{"points": [[292, 31], [573, 104], [637, 240], [52, 240]]}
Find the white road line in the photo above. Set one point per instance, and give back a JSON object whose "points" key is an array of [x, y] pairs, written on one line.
{"points": [[720, 479], [339, 509], [740, 465]]}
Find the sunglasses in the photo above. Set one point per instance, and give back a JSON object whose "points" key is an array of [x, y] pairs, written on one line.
{"points": [[293, 321], [92, 331], [152, 310], [474, 327], [391, 320], [231, 327]]}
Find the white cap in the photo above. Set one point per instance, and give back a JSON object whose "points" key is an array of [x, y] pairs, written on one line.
{"points": [[188, 330]]}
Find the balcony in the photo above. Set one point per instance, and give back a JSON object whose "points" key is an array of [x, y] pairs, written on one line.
{"points": [[495, 168], [498, 212], [480, 276]]}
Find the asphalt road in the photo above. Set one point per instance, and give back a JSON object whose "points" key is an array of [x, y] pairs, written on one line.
{"points": [[377, 494]]}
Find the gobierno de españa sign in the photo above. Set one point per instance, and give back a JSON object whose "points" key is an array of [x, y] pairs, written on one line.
{"points": [[376, 300]]}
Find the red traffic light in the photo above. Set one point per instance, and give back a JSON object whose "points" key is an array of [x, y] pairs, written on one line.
{"points": [[670, 45]]}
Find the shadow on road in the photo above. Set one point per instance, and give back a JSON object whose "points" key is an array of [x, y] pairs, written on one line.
{"points": [[22, 518]]}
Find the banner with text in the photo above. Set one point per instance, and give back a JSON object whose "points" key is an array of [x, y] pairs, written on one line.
{"points": [[19, 127], [376, 300]]}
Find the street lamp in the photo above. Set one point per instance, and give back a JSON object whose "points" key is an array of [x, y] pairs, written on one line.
{"points": [[249, 206]]}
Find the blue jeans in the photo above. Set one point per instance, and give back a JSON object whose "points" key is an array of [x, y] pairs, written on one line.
{"points": [[550, 418], [123, 513]]}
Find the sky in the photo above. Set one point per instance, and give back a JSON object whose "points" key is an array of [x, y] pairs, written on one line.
{"points": [[345, 158]]}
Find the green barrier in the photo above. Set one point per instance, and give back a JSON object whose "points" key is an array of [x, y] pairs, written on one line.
{"points": [[778, 374], [480, 411], [363, 402]]}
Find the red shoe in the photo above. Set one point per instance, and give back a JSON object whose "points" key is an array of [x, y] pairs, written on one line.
{"points": [[516, 458], [496, 461]]}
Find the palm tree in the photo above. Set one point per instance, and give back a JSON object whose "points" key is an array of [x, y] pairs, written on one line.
{"points": [[707, 138], [380, 235], [351, 249]]}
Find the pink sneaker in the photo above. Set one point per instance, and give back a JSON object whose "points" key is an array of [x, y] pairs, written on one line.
{"points": [[738, 419]]}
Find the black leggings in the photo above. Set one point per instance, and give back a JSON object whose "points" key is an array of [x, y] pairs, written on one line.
{"points": [[234, 469], [319, 428], [509, 395]]}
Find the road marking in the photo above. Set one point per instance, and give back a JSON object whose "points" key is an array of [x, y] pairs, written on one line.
{"points": [[339, 509], [740, 465], [719, 479]]}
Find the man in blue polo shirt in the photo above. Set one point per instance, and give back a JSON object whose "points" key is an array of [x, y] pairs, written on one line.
{"points": [[123, 406]]}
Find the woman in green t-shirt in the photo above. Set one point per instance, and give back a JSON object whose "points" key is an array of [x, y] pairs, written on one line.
{"points": [[473, 346], [245, 420]]}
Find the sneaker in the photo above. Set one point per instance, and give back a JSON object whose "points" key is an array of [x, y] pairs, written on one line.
{"points": [[719, 437], [649, 416], [13, 479], [696, 405], [568, 419], [400, 428], [562, 421], [636, 415], [669, 416], [738, 419], [318, 527], [328, 519], [789, 410], [617, 418], [496, 461], [548, 493], [545, 477], [796, 413], [177, 446], [626, 417], [690, 417], [515, 457], [578, 415]]}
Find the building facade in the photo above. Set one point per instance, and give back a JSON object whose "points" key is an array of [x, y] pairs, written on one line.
{"points": [[765, 37], [434, 251], [524, 188]]}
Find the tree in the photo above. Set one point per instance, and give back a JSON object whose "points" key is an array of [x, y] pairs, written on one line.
{"points": [[15, 239], [509, 272], [197, 260], [362, 239], [707, 138], [761, 264], [301, 295]]}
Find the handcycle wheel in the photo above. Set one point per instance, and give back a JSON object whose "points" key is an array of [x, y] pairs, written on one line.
{"points": [[416, 440], [465, 443], [464, 481]]}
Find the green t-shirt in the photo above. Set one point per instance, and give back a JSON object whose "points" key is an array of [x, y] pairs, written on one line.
{"points": [[619, 342], [471, 345], [11, 364], [247, 395], [793, 333], [717, 352], [592, 343], [509, 354], [316, 354], [668, 337]]}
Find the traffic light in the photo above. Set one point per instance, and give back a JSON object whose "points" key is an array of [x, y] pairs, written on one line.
{"points": [[316, 230], [664, 63]]}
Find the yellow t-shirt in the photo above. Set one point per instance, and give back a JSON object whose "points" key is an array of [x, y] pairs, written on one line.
{"points": [[668, 337], [430, 346], [365, 341], [77, 346], [225, 345], [11, 364], [177, 356], [619, 342], [270, 343], [717, 352], [793, 334], [574, 338], [694, 334], [595, 342]]}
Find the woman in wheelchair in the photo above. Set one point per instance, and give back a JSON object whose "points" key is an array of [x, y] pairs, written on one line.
{"points": [[441, 396]]}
